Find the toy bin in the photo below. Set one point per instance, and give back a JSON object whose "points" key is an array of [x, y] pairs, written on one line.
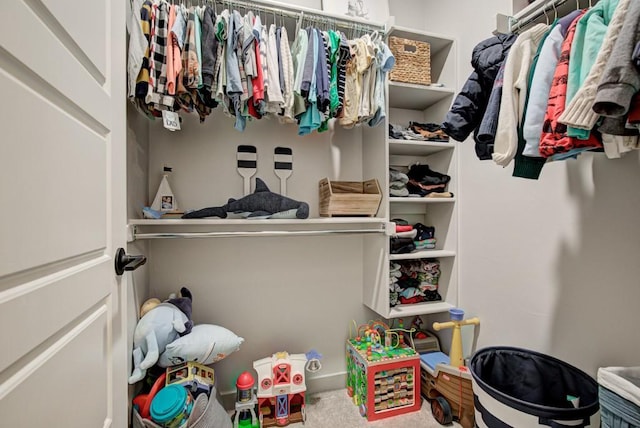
{"points": [[514, 387], [207, 412], [619, 389], [349, 198]]}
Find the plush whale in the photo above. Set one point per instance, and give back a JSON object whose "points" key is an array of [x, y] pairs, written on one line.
{"points": [[261, 203]]}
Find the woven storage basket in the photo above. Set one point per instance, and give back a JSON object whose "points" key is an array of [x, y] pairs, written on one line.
{"points": [[413, 61], [206, 413]]}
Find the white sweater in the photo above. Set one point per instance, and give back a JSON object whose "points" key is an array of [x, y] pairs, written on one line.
{"points": [[579, 112], [514, 93]]}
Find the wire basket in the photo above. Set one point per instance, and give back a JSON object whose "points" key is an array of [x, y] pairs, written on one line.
{"points": [[413, 61]]}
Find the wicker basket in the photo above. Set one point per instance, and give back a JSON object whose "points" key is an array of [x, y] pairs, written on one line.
{"points": [[413, 61]]}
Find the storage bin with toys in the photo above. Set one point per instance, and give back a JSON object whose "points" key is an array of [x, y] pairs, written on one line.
{"points": [[171, 366]]}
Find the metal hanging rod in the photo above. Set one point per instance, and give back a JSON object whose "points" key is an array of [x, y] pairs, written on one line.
{"points": [[281, 233], [517, 23], [288, 11]]}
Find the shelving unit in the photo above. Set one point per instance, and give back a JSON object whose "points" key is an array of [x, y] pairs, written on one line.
{"points": [[420, 103]]}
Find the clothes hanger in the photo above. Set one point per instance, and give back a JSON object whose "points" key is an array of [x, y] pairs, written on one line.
{"points": [[555, 11], [544, 10], [299, 22]]}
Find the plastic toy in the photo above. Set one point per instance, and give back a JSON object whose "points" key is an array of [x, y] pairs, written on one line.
{"points": [[261, 203], [382, 372], [172, 406], [156, 329], [281, 389], [445, 380], [422, 339], [143, 401], [197, 378], [246, 402]]}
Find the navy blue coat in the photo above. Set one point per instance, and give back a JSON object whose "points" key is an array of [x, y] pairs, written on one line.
{"points": [[470, 104]]}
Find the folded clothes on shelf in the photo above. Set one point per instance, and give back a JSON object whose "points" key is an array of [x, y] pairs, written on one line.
{"points": [[430, 131], [402, 245], [418, 132], [414, 281]]}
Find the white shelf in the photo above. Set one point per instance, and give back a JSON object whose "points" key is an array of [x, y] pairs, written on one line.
{"points": [[417, 148], [410, 200], [437, 42], [260, 222], [416, 97], [425, 254], [419, 309], [211, 228]]}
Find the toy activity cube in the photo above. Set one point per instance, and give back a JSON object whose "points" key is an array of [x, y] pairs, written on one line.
{"points": [[383, 381]]}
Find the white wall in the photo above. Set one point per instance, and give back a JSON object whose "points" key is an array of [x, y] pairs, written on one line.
{"points": [[548, 265]]}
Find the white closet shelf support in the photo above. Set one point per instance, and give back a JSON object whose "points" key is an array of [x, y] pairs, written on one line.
{"points": [[417, 148], [419, 309], [416, 97], [409, 200], [425, 254]]}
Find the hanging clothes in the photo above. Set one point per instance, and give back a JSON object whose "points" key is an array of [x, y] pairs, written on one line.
{"points": [[514, 91], [620, 82], [470, 104], [587, 42], [192, 60], [554, 138]]}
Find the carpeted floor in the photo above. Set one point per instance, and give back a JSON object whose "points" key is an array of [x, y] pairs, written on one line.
{"points": [[334, 409]]}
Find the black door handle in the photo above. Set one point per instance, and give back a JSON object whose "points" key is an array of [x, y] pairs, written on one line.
{"points": [[124, 262]]}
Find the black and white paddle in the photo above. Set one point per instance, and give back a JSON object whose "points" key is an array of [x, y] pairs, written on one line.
{"points": [[283, 164], [247, 165]]}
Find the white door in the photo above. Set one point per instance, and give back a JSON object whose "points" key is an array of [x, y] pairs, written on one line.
{"points": [[63, 347]]}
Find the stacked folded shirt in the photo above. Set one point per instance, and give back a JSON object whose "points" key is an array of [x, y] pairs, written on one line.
{"points": [[408, 238], [398, 183], [425, 182], [420, 181]]}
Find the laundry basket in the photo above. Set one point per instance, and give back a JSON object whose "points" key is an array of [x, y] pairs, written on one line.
{"points": [[514, 387], [619, 396]]}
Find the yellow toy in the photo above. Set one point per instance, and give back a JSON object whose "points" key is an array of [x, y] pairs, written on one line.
{"points": [[455, 354], [197, 378], [445, 380]]}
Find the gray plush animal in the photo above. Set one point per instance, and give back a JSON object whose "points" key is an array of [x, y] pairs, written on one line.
{"points": [[261, 203]]}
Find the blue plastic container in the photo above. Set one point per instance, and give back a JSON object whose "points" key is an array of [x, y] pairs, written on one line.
{"points": [[619, 396], [172, 406]]}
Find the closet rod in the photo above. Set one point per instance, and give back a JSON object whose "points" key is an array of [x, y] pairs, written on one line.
{"points": [[516, 24], [164, 235], [296, 12]]}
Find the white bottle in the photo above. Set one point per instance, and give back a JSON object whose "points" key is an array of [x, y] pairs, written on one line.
{"points": [[165, 200]]}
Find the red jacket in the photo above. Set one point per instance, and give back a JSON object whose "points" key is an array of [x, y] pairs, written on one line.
{"points": [[554, 137]]}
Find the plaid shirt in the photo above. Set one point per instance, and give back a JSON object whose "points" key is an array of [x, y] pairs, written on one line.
{"points": [[160, 42]]}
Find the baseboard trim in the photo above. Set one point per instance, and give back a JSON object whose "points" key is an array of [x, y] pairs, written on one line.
{"points": [[316, 384]]}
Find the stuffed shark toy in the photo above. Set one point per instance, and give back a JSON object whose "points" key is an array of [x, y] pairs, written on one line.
{"points": [[156, 329], [261, 203]]}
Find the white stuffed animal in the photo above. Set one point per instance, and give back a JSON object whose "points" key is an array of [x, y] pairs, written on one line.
{"points": [[156, 329]]}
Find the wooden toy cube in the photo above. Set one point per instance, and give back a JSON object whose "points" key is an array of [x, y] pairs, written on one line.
{"points": [[383, 384]]}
